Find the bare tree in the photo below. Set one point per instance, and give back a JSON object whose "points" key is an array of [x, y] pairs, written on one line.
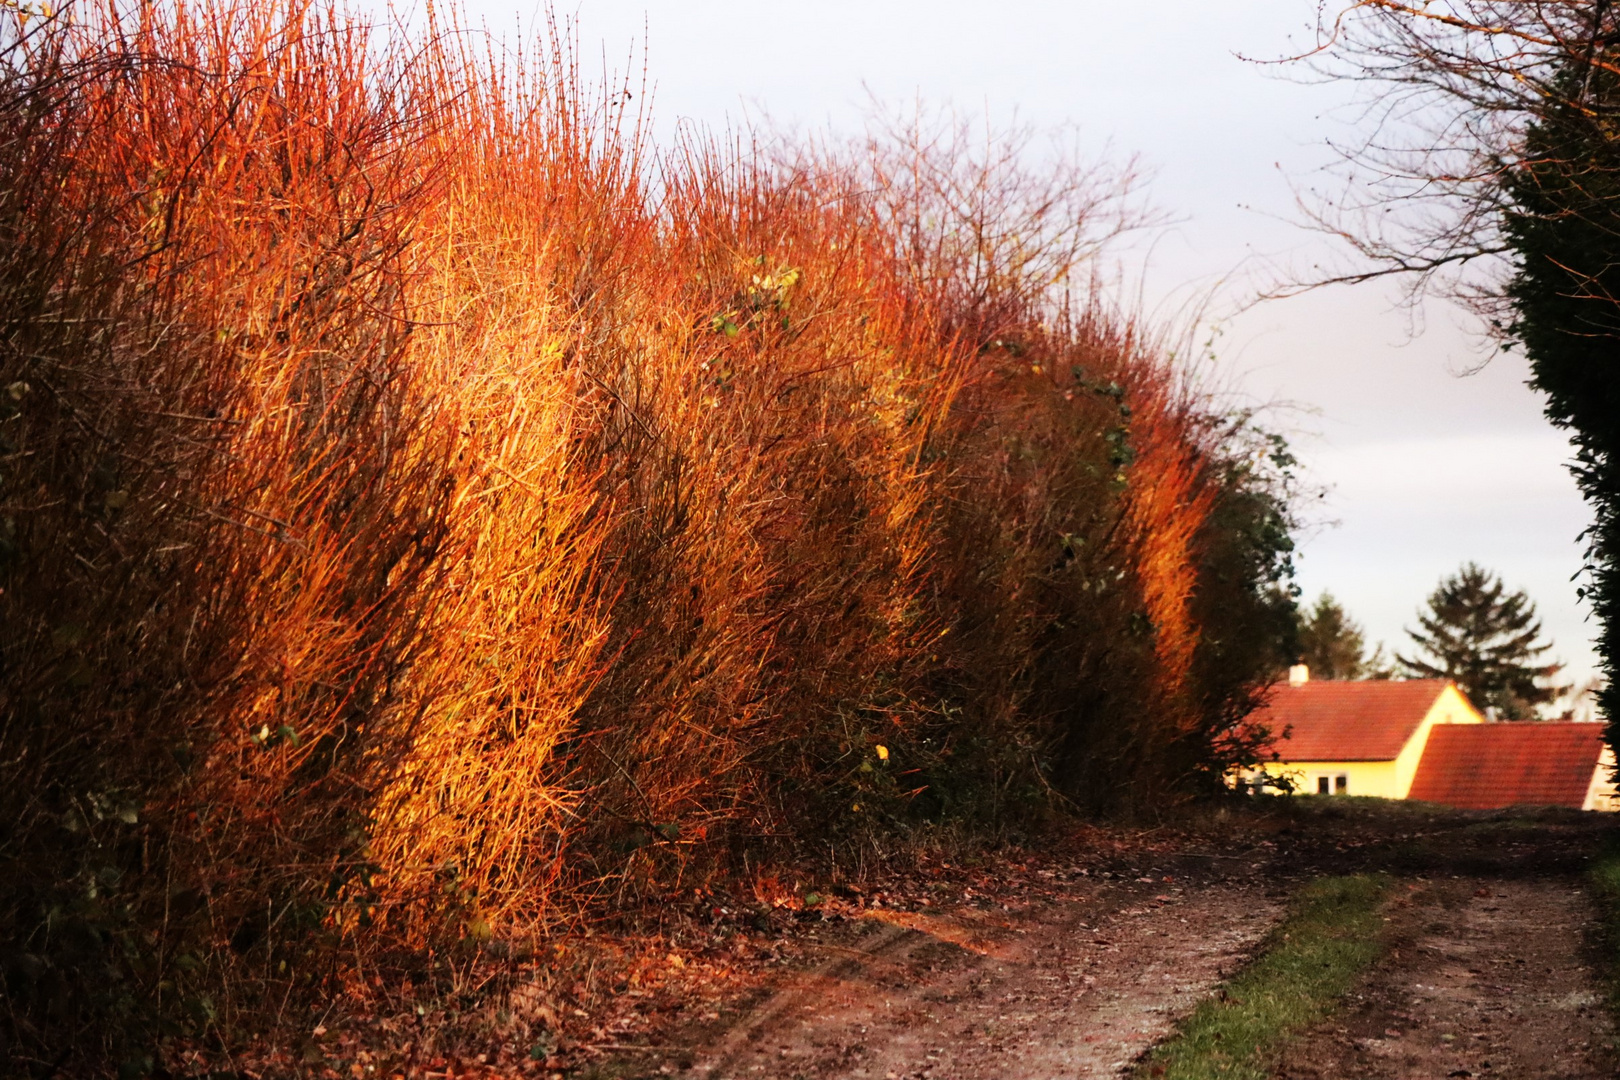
{"points": [[1454, 89], [1490, 169], [982, 212]]}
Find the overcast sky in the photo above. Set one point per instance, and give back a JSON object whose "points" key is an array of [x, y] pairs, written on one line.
{"points": [[1423, 468]]}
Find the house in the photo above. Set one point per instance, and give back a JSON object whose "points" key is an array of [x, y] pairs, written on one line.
{"points": [[1421, 739], [1357, 738], [1526, 764]]}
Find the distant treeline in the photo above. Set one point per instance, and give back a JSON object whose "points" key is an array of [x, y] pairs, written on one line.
{"points": [[428, 510]]}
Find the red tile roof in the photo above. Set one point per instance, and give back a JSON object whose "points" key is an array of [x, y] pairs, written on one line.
{"points": [[1347, 721], [1484, 766]]}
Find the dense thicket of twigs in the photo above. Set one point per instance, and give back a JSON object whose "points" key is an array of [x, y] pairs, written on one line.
{"points": [[416, 527], [1493, 172]]}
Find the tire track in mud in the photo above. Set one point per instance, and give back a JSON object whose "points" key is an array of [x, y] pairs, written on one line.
{"points": [[1078, 989]]}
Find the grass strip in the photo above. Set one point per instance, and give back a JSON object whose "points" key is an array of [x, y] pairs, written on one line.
{"points": [[1604, 881], [1331, 935]]}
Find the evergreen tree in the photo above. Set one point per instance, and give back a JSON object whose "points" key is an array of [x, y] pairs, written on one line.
{"points": [[1331, 644], [1380, 665], [1483, 638], [1562, 224]]}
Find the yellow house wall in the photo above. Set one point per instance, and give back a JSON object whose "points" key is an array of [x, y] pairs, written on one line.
{"points": [[1365, 777], [1386, 779], [1601, 795]]}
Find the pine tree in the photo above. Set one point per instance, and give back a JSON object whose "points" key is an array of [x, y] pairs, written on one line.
{"points": [[1483, 638], [1331, 644]]}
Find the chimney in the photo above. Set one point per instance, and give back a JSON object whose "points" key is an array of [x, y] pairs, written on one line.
{"points": [[1299, 675]]}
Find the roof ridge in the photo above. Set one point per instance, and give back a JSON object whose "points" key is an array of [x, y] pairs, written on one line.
{"points": [[1345, 719]]}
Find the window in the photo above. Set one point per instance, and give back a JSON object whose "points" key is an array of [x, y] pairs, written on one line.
{"points": [[1341, 784], [1323, 785]]}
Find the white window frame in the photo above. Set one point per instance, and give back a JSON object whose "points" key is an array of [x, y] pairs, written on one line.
{"points": [[1332, 783]]}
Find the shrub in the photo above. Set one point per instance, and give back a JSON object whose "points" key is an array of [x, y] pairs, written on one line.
{"points": [[420, 526]]}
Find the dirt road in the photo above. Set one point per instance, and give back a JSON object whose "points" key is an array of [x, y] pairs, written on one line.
{"points": [[1078, 988], [1486, 978], [1493, 967], [1489, 971]]}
